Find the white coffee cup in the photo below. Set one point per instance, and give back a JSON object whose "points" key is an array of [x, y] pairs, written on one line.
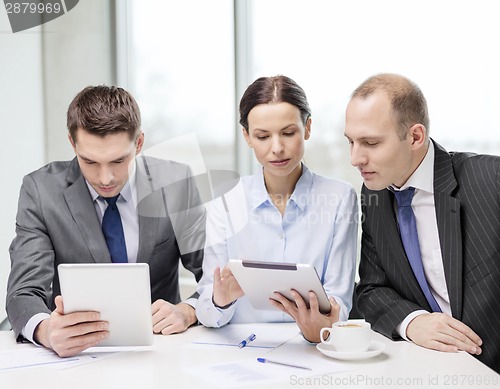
{"points": [[347, 336]]}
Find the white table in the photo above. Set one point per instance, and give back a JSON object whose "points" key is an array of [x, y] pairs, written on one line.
{"points": [[401, 365]]}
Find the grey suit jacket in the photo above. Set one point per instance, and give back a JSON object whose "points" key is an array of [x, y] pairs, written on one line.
{"points": [[467, 201], [57, 223]]}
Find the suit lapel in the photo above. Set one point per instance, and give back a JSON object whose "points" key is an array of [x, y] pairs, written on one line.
{"points": [[82, 209], [147, 211], [450, 237], [448, 221]]}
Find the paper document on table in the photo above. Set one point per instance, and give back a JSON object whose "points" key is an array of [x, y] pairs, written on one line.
{"points": [[306, 361], [232, 375], [267, 335], [295, 352], [31, 357]]}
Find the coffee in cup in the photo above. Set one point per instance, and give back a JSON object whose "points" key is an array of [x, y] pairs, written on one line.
{"points": [[347, 336]]}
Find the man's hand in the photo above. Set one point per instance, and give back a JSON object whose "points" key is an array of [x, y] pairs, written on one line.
{"points": [[310, 321], [439, 331], [70, 334], [226, 288], [171, 319]]}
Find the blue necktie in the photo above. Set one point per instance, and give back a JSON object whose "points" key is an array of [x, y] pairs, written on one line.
{"points": [[113, 231], [409, 236]]}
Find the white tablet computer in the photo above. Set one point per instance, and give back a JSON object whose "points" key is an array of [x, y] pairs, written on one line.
{"points": [[259, 280], [121, 292]]}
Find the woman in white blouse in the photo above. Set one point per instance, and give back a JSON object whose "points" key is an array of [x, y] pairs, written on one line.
{"points": [[284, 213]]}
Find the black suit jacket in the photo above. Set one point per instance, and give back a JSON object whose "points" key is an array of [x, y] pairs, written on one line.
{"points": [[57, 223], [467, 201]]}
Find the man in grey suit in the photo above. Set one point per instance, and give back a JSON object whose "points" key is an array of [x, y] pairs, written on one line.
{"points": [[62, 206], [430, 264]]}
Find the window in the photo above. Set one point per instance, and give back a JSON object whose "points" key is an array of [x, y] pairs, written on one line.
{"points": [[181, 72], [182, 67], [329, 47]]}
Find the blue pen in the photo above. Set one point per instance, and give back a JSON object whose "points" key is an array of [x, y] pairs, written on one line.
{"points": [[264, 360], [244, 342]]}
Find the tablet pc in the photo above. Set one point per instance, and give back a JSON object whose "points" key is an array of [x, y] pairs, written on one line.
{"points": [[259, 280], [121, 292]]}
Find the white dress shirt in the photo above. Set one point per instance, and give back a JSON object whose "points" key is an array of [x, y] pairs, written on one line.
{"points": [[428, 237], [319, 227]]}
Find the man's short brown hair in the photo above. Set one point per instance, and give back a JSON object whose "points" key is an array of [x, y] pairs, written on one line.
{"points": [[103, 110]]}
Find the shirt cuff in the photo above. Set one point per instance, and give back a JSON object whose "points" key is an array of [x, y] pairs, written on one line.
{"points": [[28, 330], [219, 308], [210, 315], [401, 328], [191, 302]]}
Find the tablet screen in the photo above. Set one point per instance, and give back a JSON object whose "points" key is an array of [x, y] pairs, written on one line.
{"points": [[120, 292]]}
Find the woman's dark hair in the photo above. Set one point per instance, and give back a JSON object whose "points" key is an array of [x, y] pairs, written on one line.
{"points": [[277, 89]]}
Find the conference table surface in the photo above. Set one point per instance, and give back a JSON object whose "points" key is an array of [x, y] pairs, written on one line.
{"points": [[175, 361]]}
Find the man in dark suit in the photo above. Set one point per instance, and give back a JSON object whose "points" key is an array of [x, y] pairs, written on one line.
{"points": [[438, 284], [61, 209]]}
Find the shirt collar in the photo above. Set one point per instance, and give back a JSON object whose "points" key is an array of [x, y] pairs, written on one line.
{"points": [[259, 195], [423, 177]]}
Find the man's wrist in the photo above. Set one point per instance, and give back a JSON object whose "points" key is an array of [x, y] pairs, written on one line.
{"points": [[189, 312], [40, 333], [402, 328]]}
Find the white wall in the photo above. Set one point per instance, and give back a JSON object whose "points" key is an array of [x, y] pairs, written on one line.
{"points": [[22, 129], [77, 52], [41, 70]]}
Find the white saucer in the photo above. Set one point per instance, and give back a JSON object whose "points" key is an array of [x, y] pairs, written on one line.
{"points": [[375, 349]]}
